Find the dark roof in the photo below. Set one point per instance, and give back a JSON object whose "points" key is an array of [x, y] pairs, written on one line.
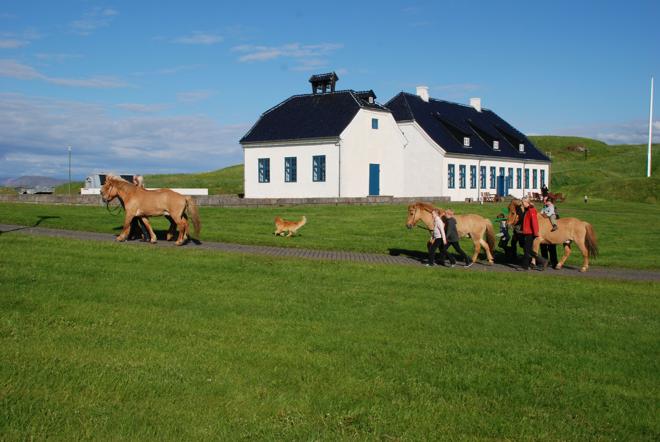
{"points": [[447, 123], [309, 116]]}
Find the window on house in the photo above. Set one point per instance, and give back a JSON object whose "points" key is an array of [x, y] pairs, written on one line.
{"points": [[450, 175], [482, 177], [501, 171], [473, 177], [493, 172], [496, 145], [518, 178], [526, 178], [264, 170], [466, 141], [509, 179], [461, 176], [521, 147], [318, 168], [290, 169], [542, 177], [535, 179], [374, 123]]}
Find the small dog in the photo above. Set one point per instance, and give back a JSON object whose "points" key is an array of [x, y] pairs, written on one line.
{"points": [[282, 226]]}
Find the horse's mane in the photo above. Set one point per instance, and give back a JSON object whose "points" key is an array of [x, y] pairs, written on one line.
{"points": [[120, 183], [428, 207]]}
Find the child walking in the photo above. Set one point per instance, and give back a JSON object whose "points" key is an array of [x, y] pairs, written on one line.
{"points": [[452, 240], [438, 238]]}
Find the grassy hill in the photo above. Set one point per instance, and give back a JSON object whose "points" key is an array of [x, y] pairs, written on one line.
{"points": [[227, 181], [606, 171]]}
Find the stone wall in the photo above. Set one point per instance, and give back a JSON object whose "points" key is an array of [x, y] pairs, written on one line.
{"points": [[224, 200]]}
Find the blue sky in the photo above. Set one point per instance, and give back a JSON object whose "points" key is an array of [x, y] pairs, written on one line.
{"points": [[171, 86]]}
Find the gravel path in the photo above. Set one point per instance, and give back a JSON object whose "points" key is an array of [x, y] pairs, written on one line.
{"points": [[396, 257]]}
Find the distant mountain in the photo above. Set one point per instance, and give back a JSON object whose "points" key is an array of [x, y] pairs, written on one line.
{"points": [[32, 181]]}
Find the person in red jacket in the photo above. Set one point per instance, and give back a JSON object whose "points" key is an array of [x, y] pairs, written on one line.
{"points": [[530, 231]]}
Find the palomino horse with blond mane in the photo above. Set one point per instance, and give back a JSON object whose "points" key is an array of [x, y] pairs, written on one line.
{"points": [[146, 203], [569, 230], [471, 225]]}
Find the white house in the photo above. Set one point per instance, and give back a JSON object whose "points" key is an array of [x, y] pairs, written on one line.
{"points": [[343, 144]]}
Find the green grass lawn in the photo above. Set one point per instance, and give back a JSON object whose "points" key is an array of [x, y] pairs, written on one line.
{"points": [[628, 233], [104, 341]]}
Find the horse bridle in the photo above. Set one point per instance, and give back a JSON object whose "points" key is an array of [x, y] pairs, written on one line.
{"points": [[417, 223], [119, 208]]}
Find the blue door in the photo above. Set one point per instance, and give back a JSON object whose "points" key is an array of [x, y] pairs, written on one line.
{"points": [[501, 191], [374, 179]]}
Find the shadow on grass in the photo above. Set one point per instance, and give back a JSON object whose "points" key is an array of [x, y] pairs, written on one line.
{"points": [[161, 235], [40, 219]]}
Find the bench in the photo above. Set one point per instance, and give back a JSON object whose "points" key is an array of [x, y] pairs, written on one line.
{"points": [[489, 197]]}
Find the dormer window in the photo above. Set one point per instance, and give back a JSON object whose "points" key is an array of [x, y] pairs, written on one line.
{"points": [[374, 123], [521, 148], [466, 141], [496, 145]]}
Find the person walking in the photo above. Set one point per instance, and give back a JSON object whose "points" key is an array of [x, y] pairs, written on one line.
{"points": [[438, 238], [530, 231], [137, 223], [452, 240]]}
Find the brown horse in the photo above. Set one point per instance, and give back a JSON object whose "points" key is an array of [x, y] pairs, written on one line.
{"points": [[558, 197], [471, 225], [145, 203], [569, 230]]}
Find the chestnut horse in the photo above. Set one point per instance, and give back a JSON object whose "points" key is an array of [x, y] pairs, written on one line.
{"points": [[569, 230], [469, 224], [145, 203]]}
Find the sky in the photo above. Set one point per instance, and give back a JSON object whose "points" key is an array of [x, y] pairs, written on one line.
{"points": [[171, 87]]}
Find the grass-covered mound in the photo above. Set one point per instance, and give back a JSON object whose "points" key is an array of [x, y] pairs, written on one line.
{"points": [[616, 172]]}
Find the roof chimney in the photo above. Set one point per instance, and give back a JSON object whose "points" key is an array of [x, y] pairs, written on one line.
{"points": [[323, 83], [423, 93], [476, 103]]}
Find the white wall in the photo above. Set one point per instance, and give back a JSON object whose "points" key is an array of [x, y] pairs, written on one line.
{"points": [[304, 187], [424, 163], [361, 145]]}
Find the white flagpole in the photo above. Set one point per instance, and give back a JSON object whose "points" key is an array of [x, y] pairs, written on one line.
{"points": [[648, 160]]}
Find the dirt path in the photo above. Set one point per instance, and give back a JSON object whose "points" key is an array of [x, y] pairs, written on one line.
{"points": [[396, 257]]}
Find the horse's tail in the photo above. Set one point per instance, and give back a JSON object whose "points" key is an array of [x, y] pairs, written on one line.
{"points": [[193, 214], [490, 236], [590, 240]]}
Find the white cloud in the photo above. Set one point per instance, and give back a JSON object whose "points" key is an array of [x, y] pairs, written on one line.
{"points": [[308, 57], [13, 40], [199, 38], [34, 134], [92, 20], [14, 69], [142, 108], [193, 96], [57, 57], [12, 43], [630, 132]]}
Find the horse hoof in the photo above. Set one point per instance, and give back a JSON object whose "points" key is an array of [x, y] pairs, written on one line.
{"points": [[490, 263], [178, 243], [120, 239], [153, 241], [583, 269]]}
